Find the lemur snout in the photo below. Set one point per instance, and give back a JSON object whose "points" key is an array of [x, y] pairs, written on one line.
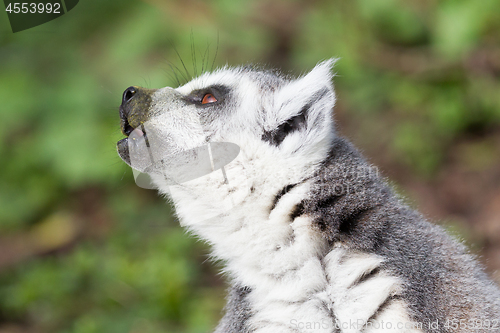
{"points": [[134, 110]]}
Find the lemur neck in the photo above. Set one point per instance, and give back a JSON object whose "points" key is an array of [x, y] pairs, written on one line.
{"points": [[275, 232], [339, 203]]}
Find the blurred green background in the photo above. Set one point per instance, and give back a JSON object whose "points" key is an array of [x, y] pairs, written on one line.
{"points": [[83, 249]]}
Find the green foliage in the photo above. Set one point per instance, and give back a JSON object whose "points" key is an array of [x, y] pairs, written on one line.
{"points": [[407, 82]]}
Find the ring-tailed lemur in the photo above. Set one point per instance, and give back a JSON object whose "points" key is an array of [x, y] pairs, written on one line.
{"points": [[313, 239]]}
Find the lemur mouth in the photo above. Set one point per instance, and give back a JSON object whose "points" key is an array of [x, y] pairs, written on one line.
{"points": [[139, 131], [127, 128], [134, 135]]}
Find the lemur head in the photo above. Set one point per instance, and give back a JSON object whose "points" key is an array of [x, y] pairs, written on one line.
{"points": [[283, 128]]}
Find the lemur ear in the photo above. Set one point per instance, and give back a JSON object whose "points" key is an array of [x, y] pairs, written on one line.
{"points": [[302, 103]]}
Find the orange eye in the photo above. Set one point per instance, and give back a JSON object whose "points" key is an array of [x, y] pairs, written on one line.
{"points": [[208, 98]]}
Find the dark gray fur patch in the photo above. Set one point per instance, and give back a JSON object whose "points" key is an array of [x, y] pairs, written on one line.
{"points": [[276, 136], [237, 312], [441, 280], [281, 193]]}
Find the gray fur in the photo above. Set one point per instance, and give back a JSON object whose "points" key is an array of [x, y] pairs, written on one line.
{"points": [[237, 312], [442, 281]]}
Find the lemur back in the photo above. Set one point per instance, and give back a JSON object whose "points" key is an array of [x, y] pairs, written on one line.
{"points": [[313, 239]]}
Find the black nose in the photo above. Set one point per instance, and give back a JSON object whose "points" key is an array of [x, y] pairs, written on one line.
{"points": [[128, 94]]}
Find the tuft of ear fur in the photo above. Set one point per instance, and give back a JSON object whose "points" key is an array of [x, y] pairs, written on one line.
{"points": [[302, 110]]}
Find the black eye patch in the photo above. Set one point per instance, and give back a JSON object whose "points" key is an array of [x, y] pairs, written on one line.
{"points": [[220, 92]]}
